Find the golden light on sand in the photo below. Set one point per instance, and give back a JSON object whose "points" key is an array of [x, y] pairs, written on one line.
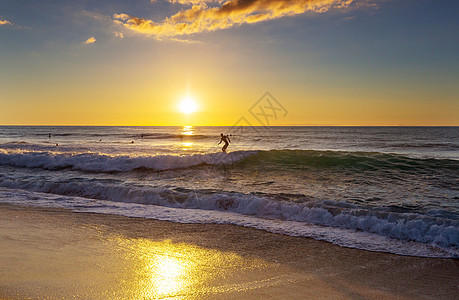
{"points": [[166, 275], [163, 270], [188, 105]]}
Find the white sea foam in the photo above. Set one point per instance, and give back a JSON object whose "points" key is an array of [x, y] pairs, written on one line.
{"points": [[339, 236], [121, 163], [437, 232]]}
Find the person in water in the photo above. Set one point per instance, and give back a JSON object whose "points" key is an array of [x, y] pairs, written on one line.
{"points": [[226, 140]]}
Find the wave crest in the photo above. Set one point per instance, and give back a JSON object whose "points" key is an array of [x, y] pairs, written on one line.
{"points": [[432, 228], [357, 161], [106, 163]]}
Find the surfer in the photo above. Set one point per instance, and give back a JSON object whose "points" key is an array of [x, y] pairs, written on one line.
{"points": [[226, 140]]}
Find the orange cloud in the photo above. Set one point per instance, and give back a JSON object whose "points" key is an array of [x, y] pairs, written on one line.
{"points": [[5, 22], [91, 40], [200, 17], [194, 2]]}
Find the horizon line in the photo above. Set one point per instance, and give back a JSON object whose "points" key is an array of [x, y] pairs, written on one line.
{"points": [[293, 125]]}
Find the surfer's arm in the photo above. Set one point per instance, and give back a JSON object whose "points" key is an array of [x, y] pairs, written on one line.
{"points": [[220, 141]]}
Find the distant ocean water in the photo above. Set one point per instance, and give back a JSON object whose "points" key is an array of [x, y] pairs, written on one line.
{"points": [[391, 189]]}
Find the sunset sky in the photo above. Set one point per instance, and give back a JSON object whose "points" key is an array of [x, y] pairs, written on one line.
{"points": [[329, 62]]}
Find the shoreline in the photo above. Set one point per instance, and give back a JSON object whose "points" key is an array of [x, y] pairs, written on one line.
{"points": [[56, 253]]}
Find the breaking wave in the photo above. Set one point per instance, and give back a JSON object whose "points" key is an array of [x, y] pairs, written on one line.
{"points": [[370, 161], [432, 228], [122, 163]]}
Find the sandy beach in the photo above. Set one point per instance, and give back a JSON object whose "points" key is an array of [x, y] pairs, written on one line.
{"points": [[57, 254]]}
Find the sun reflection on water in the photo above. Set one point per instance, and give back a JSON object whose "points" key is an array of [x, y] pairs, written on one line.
{"points": [[187, 130], [185, 133], [187, 145]]}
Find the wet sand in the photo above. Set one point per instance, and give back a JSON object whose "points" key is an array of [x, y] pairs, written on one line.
{"points": [[57, 254]]}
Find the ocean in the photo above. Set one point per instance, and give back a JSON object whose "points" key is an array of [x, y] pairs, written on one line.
{"points": [[388, 189]]}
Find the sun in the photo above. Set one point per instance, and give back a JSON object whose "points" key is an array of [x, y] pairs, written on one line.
{"points": [[188, 105]]}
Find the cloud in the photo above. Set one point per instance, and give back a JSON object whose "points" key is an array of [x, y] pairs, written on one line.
{"points": [[201, 17], [121, 16], [12, 25], [194, 2], [184, 41], [5, 22], [91, 40]]}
